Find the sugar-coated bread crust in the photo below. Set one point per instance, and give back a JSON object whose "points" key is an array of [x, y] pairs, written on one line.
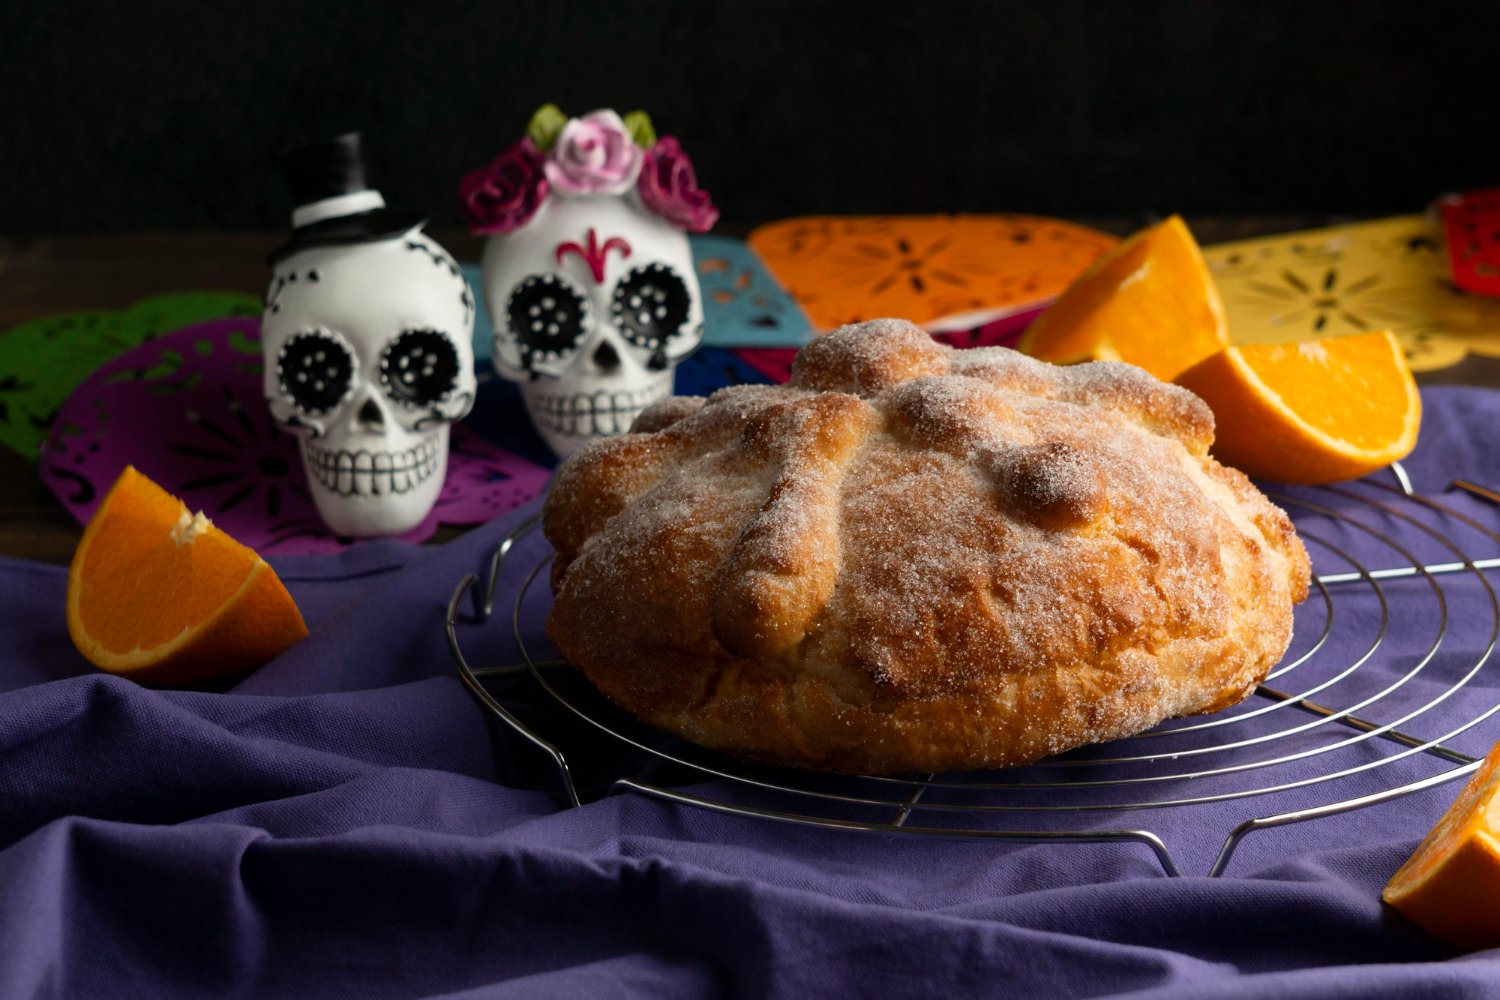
{"points": [[915, 558]]}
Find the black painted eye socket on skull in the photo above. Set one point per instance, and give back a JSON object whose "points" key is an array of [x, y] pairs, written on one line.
{"points": [[547, 315], [651, 303], [315, 369], [419, 368]]}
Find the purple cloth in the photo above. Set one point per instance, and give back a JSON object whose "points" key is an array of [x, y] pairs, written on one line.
{"points": [[347, 822]]}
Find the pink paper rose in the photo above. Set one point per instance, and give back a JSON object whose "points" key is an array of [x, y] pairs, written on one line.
{"points": [[506, 194], [669, 187], [594, 155]]}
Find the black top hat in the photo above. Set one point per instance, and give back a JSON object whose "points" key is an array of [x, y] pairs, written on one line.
{"points": [[334, 203]]}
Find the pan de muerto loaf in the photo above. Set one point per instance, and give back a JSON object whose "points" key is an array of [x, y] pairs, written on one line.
{"points": [[915, 558]]}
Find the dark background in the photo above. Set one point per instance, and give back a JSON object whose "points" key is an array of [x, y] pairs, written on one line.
{"points": [[132, 116]]}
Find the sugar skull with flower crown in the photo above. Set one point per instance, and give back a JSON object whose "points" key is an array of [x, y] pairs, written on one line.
{"points": [[587, 272]]}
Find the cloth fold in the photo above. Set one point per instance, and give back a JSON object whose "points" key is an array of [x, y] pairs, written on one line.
{"points": [[348, 820]]}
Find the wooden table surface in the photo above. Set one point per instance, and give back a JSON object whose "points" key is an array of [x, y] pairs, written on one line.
{"points": [[48, 275]]}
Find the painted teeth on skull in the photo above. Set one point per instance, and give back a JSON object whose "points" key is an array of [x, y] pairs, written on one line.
{"points": [[588, 414], [373, 474]]}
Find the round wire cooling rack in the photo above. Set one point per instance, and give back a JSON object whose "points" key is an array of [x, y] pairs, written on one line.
{"points": [[1383, 693]]}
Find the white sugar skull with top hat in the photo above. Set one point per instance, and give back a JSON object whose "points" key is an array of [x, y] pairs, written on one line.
{"points": [[367, 341], [588, 275]]}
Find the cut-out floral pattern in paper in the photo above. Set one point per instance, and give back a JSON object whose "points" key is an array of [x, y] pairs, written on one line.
{"points": [[1471, 225], [944, 272], [45, 358], [743, 306], [1385, 274]]}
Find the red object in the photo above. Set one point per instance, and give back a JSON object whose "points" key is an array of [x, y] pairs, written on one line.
{"points": [[593, 255], [1472, 226], [506, 194]]}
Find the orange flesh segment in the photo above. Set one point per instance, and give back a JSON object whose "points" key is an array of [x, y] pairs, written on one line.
{"points": [[165, 586], [1310, 412], [163, 596], [1472, 812], [1150, 301], [1450, 884], [1331, 384]]}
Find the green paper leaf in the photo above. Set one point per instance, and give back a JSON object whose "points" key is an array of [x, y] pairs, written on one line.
{"points": [[544, 126], [638, 124]]}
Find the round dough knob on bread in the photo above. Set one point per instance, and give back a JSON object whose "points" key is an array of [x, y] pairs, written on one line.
{"points": [[916, 558]]}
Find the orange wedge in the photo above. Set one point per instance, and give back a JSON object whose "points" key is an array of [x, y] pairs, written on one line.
{"points": [[1149, 301], [162, 596], [1314, 411], [1450, 886]]}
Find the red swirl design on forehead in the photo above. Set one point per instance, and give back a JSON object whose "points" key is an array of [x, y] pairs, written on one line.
{"points": [[593, 254]]}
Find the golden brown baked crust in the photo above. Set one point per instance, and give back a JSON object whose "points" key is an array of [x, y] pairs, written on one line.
{"points": [[914, 558]]}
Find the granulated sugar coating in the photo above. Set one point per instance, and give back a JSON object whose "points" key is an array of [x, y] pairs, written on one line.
{"points": [[915, 558]]}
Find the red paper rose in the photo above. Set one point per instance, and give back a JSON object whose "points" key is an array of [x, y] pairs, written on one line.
{"points": [[506, 194], [669, 187]]}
